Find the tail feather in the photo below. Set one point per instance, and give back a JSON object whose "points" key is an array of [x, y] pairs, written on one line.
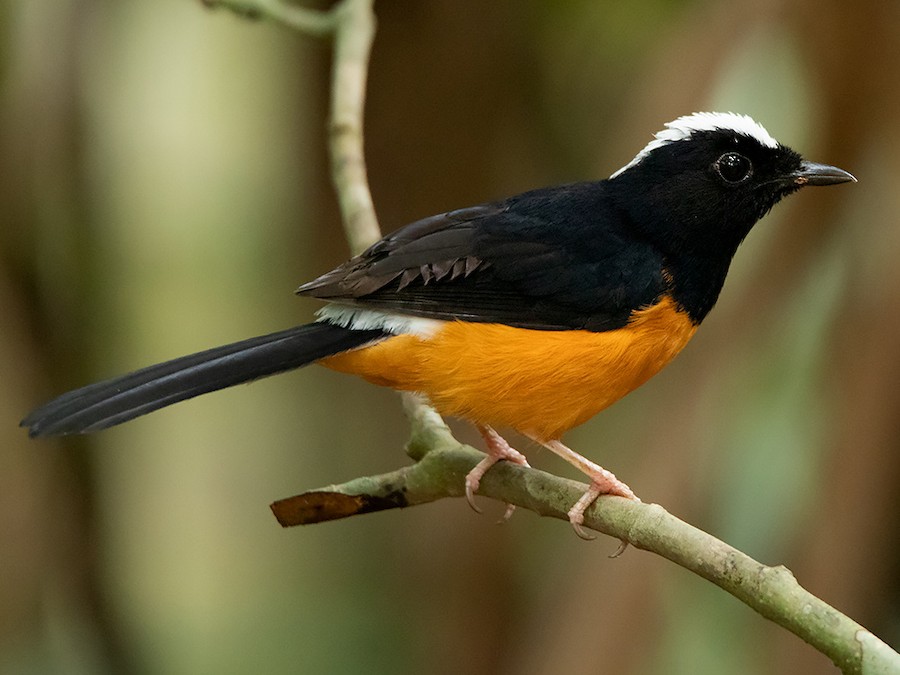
{"points": [[105, 404]]}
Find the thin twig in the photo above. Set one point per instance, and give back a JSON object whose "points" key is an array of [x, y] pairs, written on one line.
{"points": [[354, 32], [306, 20]]}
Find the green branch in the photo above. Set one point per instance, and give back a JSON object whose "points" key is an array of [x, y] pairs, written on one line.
{"points": [[442, 462], [309, 21]]}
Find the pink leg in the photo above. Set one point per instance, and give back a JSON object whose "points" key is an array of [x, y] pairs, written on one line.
{"points": [[497, 449], [603, 482]]}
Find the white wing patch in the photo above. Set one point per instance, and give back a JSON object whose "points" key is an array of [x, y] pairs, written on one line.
{"points": [[684, 127], [373, 319]]}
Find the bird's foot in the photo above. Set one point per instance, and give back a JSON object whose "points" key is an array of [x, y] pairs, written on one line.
{"points": [[603, 482], [497, 449]]}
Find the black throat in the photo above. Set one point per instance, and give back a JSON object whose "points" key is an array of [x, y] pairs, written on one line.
{"points": [[696, 283]]}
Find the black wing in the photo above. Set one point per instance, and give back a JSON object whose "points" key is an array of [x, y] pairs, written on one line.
{"points": [[556, 258]]}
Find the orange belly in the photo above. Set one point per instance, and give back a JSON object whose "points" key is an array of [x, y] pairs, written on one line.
{"points": [[541, 383]]}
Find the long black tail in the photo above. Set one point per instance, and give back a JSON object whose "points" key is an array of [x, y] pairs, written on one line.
{"points": [[105, 404]]}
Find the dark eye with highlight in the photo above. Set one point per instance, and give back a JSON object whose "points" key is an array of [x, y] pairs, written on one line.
{"points": [[733, 167]]}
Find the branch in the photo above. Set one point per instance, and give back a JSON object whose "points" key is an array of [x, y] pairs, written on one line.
{"points": [[441, 462], [352, 43], [306, 20]]}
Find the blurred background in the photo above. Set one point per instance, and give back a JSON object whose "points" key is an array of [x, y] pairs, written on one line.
{"points": [[164, 187]]}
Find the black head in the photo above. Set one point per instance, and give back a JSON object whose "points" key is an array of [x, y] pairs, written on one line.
{"points": [[703, 182], [698, 188]]}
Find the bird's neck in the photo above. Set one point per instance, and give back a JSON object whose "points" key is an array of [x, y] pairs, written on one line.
{"points": [[694, 268], [696, 282]]}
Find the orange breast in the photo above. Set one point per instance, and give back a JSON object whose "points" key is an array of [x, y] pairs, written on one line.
{"points": [[539, 382]]}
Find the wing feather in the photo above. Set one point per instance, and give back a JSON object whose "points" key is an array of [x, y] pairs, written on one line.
{"points": [[555, 258]]}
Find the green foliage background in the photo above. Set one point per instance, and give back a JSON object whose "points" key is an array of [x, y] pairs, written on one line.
{"points": [[164, 187]]}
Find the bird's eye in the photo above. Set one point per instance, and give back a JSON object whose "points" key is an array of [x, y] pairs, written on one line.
{"points": [[733, 168]]}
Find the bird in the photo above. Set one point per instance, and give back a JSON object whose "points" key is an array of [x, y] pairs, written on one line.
{"points": [[531, 313]]}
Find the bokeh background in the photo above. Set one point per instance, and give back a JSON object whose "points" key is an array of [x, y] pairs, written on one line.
{"points": [[164, 187]]}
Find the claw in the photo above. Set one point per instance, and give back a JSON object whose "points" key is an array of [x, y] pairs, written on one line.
{"points": [[583, 534], [510, 509], [470, 497], [473, 479], [619, 551], [576, 513]]}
